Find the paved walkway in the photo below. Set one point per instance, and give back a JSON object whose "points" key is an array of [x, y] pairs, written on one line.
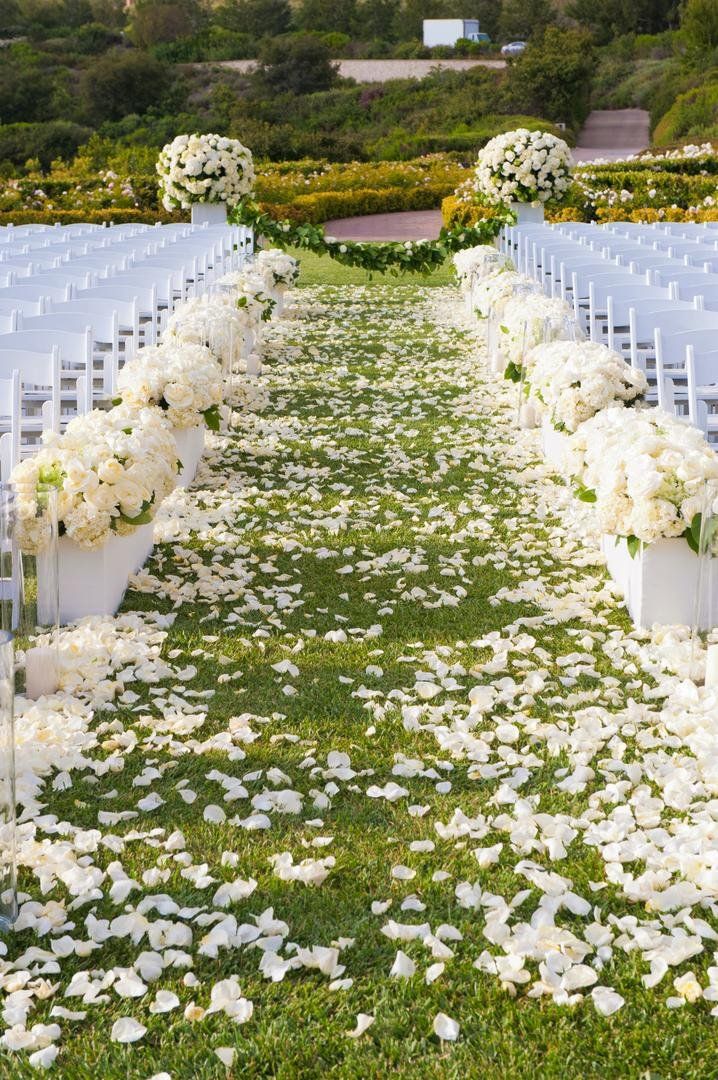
{"points": [[407, 225], [613, 133]]}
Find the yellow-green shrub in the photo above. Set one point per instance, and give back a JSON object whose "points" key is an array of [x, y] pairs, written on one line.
{"points": [[92, 217], [325, 205]]}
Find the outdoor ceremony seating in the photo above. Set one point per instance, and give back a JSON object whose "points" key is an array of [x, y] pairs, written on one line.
{"points": [[650, 292]]}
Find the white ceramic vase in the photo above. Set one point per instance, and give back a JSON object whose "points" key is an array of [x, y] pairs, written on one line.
{"points": [[528, 213], [209, 213]]}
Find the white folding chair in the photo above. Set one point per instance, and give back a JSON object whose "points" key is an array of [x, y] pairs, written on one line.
{"points": [[40, 380], [104, 338], [75, 349]]}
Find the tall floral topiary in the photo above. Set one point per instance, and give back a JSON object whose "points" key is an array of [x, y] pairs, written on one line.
{"points": [[204, 169], [523, 166]]}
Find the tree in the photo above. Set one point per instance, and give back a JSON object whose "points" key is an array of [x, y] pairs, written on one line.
{"points": [[608, 19], [260, 18], [120, 83], [157, 22], [699, 22], [296, 64], [327, 15], [552, 77], [522, 19], [27, 87], [109, 12], [375, 20]]}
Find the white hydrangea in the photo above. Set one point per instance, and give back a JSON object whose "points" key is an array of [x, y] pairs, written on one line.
{"points": [[278, 270], [523, 166], [183, 379], [646, 468], [570, 381], [528, 320], [111, 470], [204, 169], [477, 262]]}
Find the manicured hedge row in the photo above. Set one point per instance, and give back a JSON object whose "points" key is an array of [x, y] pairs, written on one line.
{"points": [[92, 217], [325, 205]]}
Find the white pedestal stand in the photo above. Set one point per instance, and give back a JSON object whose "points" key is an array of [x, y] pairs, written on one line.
{"points": [[528, 213]]}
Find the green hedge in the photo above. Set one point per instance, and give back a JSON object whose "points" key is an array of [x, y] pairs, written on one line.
{"points": [[325, 205], [92, 217]]}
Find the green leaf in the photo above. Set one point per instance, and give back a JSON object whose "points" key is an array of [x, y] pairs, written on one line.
{"points": [[634, 545], [212, 417], [513, 372], [586, 495]]}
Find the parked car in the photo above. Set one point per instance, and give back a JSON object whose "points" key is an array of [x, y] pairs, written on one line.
{"points": [[514, 48]]}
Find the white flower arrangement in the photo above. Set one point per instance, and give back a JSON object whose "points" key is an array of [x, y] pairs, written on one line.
{"points": [[111, 471], [644, 471], [477, 262], [183, 379], [571, 381], [204, 169], [494, 290], [523, 166], [278, 270], [208, 321], [527, 321], [251, 297]]}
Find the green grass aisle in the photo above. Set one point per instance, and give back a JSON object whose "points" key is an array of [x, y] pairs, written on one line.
{"points": [[371, 748]]}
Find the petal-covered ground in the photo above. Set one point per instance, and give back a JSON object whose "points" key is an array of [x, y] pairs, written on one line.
{"points": [[372, 778]]}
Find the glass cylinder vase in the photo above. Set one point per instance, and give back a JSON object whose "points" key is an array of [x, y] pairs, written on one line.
{"points": [[8, 857], [29, 582]]}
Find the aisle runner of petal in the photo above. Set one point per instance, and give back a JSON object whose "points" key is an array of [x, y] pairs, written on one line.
{"points": [[373, 719]]}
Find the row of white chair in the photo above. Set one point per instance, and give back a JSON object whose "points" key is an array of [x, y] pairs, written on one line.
{"points": [[661, 317], [67, 328]]}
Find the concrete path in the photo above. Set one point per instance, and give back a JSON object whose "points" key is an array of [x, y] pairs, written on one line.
{"points": [[613, 133], [407, 225], [372, 71]]}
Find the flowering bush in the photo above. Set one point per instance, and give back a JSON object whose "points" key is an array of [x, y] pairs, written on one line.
{"points": [[111, 470], [277, 269], [644, 471], [184, 380], [523, 166], [571, 381], [204, 169]]}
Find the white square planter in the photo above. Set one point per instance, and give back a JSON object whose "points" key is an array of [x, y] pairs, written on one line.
{"points": [[93, 582], [190, 447], [554, 445], [659, 584]]}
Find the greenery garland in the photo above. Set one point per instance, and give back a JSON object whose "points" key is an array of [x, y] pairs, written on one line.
{"points": [[395, 257]]}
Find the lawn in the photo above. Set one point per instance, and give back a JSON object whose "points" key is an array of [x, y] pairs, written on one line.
{"points": [[373, 528]]}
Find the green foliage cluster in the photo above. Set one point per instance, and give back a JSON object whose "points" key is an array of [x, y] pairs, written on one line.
{"points": [[409, 257]]}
